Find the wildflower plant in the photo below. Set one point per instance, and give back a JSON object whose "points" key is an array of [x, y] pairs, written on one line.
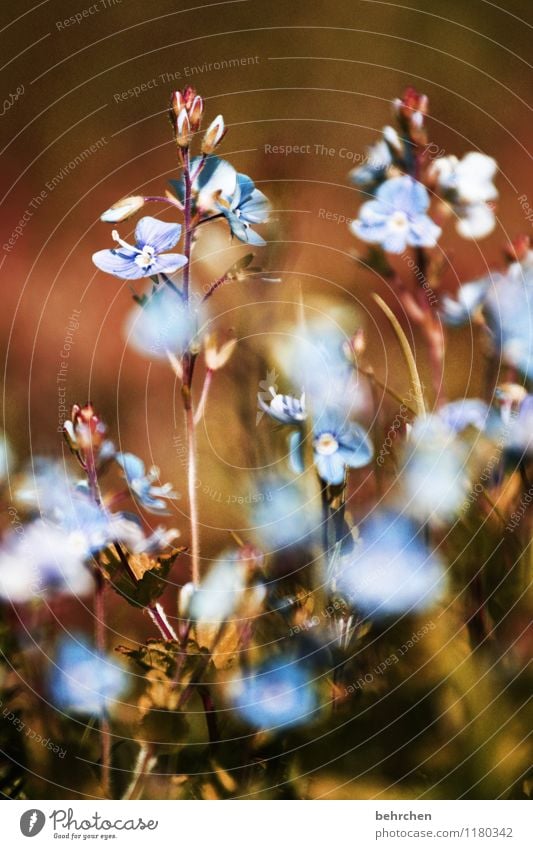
{"points": [[357, 523]]}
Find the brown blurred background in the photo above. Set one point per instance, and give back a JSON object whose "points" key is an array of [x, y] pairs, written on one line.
{"points": [[315, 73]]}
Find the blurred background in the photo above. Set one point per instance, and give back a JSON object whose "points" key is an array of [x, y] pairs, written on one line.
{"points": [[84, 123]]}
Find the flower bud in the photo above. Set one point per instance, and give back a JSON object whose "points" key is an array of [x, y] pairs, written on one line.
{"points": [[355, 347], [214, 135], [85, 430], [217, 358], [183, 129], [517, 249], [411, 110], [122, 209], [195, 113]]}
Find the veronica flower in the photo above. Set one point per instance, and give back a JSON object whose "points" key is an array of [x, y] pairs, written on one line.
{"points": [[397, 217], [43, 561], [507, 304], [470, 297], [433, 474], [468, 412], [222, 590], [467, 184], [391, 571], [338, 444], [215, 179], [141, 483], [83, 680], [161, 325], [146, 257], [277, 694], [378, 160], [247, 205], [283, 516], [284, 409]]}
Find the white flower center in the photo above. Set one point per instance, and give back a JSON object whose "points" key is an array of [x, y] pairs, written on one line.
{"points": [[398, 220], [326, 444], [145, 257]]}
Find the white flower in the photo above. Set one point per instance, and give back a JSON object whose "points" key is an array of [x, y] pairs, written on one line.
{"points": [[467, 184]]}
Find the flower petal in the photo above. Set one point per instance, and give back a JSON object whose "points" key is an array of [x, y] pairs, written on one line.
{"points": [[118, 264], [159, 235]]}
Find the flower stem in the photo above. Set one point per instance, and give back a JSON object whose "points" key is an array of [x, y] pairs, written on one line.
{"points": [[203, 397], [187, 240], [191, 484], [99, 637]]}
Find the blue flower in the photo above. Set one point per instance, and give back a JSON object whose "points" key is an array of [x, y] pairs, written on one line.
{"points": [[217, 178], [285, 409], [338, 444], [153, 498], [161, 325], [43, 561], [470, 296], [391, 571], [434, 475], [247, 205], [397, 217], [278, 694], [283, 516], [378, 160], [468, 412], [507, 302], [146, 257], [83, 680]]}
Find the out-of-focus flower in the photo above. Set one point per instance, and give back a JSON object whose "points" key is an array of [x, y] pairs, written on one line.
{"points": [[214, 135], [284, 408], [518, 433], [83, 680], [397, 218], [391, 571], [162, 325], [278, 694], [338, 444], [468, 412], [467, 184], [43, 561], [222, 590], [146, 257], [247, 205], [411, 109], [154, 498], [433, 474], [470, 297], [122, 209], [283, 516], [159, 541]]}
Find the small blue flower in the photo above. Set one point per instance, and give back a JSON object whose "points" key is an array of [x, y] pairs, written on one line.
{"points": [[43, 562], [397, 217], [377, 161], [338, 444], [83, 680], [141, 483], [470, 296], [277, 694], [468, 412], [434, 475], [246, 206], [216, 178], [283, 516], [285, 409], [146, 257], [391, 571]]}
